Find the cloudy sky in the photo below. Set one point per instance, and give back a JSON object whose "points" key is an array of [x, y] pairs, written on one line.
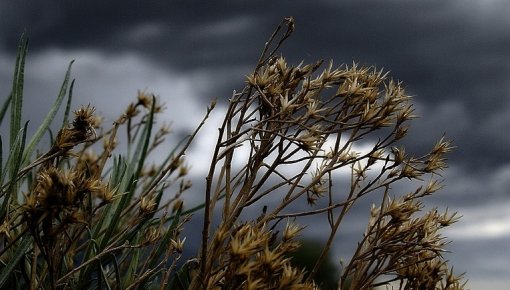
{"points": [[453, 57]]}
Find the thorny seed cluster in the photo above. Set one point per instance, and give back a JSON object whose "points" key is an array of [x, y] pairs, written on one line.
{"points": [[300, 126]]}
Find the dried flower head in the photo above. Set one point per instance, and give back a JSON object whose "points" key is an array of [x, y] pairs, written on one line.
{"points": [[177, 245], [147, 205], [55, 188], [84, 119], [145, 100]]}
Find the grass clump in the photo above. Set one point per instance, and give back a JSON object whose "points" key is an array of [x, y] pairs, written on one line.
{"points": [[83, 216]]}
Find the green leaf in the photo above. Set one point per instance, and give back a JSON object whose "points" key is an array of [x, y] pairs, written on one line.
{"points": [[119, 169], [14, 260], [5, 106], [132, 178], [165, 241], [136, 161], [13, 165], [68, 104], [103, 277], [1, 162], [49, 117], [92, 249], [17, 90], [147, 135], [115, 218], [134, 256], [138, 158], [116, 269]]}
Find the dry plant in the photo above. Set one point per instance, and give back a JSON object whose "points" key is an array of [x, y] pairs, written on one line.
{"points": [[80, 217], [300, 125]]}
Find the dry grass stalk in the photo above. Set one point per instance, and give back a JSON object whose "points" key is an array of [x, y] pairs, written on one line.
{"points": [[87, 221], [300, 125]]}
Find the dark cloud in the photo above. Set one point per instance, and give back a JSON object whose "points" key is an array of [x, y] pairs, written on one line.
{"points": [[447, 53], [453, 56]]}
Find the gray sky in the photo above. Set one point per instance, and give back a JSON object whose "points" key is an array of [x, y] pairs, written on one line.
{"points": [[453, 56]]}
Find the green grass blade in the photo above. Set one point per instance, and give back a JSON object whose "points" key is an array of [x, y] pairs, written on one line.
{"points": [[157, 200], [111, 220], [134, 255], [138, 157], [116, 270], [92, 247], [11, 157], [17, 90], [146, 141], [5, 106], [130, 179], [14, 165], [49, 117], [68, 104], [119, 169], [165, 241], [1, 162], [8, 161], [115, 218], [6, 272], [103, 277], [136, 161]]}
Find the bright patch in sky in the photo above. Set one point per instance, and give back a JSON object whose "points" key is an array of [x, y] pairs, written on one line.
{"points": [[487, 222]]}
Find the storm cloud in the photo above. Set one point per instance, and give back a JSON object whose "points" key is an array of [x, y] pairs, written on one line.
{"points": [[452, 56]]}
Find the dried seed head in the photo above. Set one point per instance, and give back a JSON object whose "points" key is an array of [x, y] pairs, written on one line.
{"points": [[399, 155], [177, 205], [152, 235], [308, 141], [405, 114], [86, 159], [131, 111], [183, 170], [147, 205], [55, 188], [150, 172], [313, 109], [110, 144], [84, 119], [271, 259], [315, 192], [144, 99], [185, 185], [77, 217], [291, 231], [102, 191], [401, 132], [254, 283], [287, 106], [165, 129], [374, 156], [30, 202], [178, 244], [442, 147], [409, 171], [435, 163], [175, 163], [5, 229], [432, 186]]}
